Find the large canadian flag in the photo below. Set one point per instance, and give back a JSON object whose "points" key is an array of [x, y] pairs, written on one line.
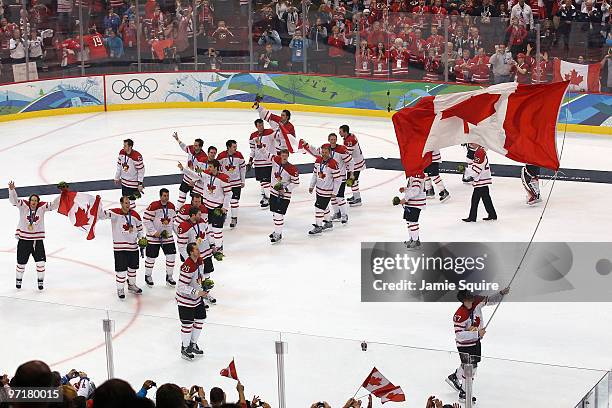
{"points": [[517, 121], [581, 77], [81, 209], [379, 386]]}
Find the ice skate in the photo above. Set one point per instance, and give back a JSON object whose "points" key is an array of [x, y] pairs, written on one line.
{"points": [[444, 195], [134, 289], [186, 354], [316, 230], [149, 280]]}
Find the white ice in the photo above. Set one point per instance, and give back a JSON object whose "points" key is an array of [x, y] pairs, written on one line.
{"points": [[307, 288]]}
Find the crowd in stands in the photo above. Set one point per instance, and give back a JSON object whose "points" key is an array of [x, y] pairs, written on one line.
{"points": [[478, 41], [78, 391]]}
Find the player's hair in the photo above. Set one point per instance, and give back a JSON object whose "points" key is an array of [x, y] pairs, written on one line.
{"points": [[163, 190], [195, 195], [215, 163], [332, 134], [193, 211], [191, 246], [217, 396], [170, 395], [286, 112], [123, 198], [345, 128], [281, 151], [129, 142], [230, 142], [33, 195], [258, 121], [326, 147], [199, 142], [211, 148]]}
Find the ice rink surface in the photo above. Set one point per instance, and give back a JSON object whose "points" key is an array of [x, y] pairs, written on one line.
{"points": [[308, 288]]}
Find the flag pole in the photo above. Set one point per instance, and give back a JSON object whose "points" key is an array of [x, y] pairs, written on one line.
{"points": [[355, 394]]}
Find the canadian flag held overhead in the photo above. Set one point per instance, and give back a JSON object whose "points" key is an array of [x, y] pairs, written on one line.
{"points": [[230, 371], [517, 121], [81, 209], [581, 77], [379, 386]]}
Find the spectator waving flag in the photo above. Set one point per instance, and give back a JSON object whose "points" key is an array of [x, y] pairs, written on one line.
{"points": [[81, 209], [379, 386], [581, 77], [517, 121], [230, 371]]}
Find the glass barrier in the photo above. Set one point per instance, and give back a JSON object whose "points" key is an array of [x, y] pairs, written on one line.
{"points": [[424, 42], [600, 396]]}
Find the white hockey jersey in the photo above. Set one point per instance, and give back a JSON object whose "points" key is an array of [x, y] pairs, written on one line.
{"points": [[127, 228], [215, 190], [234, 166], [157, 218], [260, 156], [468, 321], [275, 124], [287, 174], [481, 173], [414, 194], [189, 283], [31, 226], [197, 161], [352, 144], [130, 169], [188, 233], [340, 154], [326, 177]]}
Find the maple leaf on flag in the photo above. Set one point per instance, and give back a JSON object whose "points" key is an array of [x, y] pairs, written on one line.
{"points": [[574, 78], [473, 110], [375, 381], [81, 218]]}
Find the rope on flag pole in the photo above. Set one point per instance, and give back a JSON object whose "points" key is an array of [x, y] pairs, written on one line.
{"points": [[554, 179]]}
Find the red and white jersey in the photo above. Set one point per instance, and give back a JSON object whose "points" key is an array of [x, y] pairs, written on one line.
{"points": [[482, 173], [157, 218], [275, 123], [183, 215], [539, 72], [96, 47], [436, 157], [188, 233], [468, 321], [259, 157], [69, 49], [399, 61], [520, 77], [130, 169], [286, 174], [352, 144], [326, 177], [127, 228], [432, 66], [215, 190], [462, 69], [189, 283], [31, 226], [479, 67], [340, 154], [363, 63], [381, 66], [196, 161], [416, 50], [234, 166], [414, 194]]}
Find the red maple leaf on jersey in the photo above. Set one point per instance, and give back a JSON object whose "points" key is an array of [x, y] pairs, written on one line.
{"points": [[473, 110], [321, 175], [574, 78], [230, 168], [81, 217], [32, 220], [375, 381], [126, 227], [211, 189]]}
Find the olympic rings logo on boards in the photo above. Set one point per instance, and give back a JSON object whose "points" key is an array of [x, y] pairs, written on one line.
{"points": [[134, 88]]}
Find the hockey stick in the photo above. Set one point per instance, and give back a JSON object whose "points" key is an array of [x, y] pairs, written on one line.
{"points": [[535, 230]]}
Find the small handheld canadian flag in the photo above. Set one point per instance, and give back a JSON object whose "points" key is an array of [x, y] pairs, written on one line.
{"points": [[378, 385], [230, 371]]}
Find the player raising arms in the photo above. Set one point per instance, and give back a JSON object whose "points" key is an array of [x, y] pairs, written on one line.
{"points": [[285, 177], [196, 161], [359, 165], [234, 165], [276, 122], [127, 230], [216, 197], [158, 219], [343, 157], [326, 179], [259, 160], [189, 294], [30, 233], [130, 172], [469, 330]]}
